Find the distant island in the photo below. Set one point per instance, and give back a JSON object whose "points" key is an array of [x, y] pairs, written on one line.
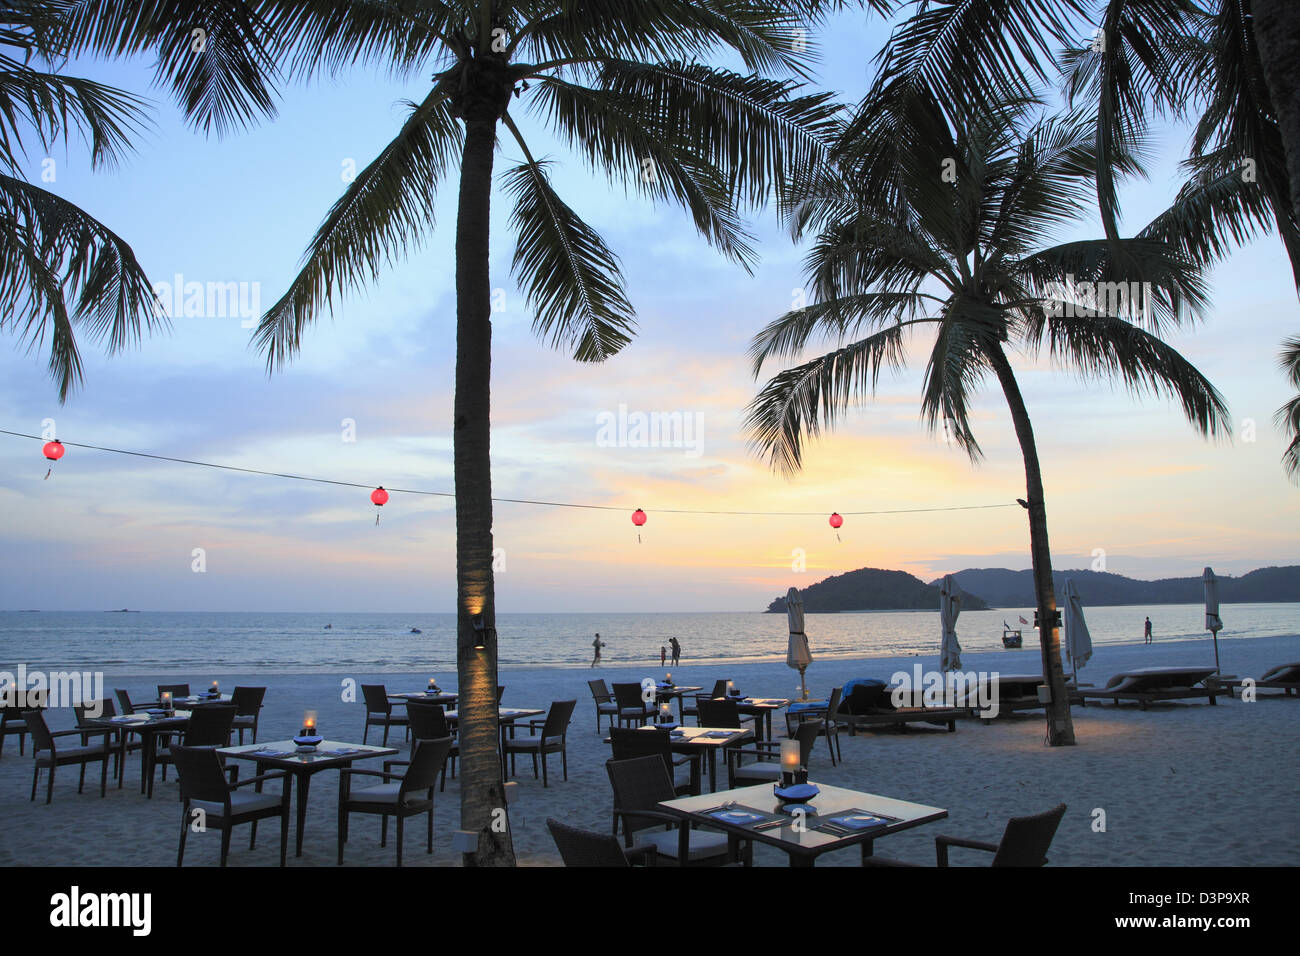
{"points": [[871, 589], [876, 589]]}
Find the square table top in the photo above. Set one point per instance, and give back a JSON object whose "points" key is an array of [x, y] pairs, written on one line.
{"points": [[664, 690], [504, 714], [202, 699], [442, 697], [134, 722], [806, 840], [760, 703], [698, 737], [286, 755]]}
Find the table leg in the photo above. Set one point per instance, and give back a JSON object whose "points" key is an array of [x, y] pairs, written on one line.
{"points": [[696, 783], [713, 769], [123, 738], [149, 739], [304, 784]]}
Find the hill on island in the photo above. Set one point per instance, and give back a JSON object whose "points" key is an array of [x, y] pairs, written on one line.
{"points": [[872, 589], [1001, 587]]}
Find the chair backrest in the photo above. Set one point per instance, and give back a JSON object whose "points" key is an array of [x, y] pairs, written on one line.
{"points": [[209, 725], [501, 692], [807, 733], [428, 720], [247, 700], [719, 687], [600, 693], [427, 758], [96, 708], [1026, 839], [557, 718], [627, 743], [639, 784], [717, 712], [628, 695], [177, 690], [200, 773], [833, 705], [376, 698], [585, 847], [124, 701], [41, 738]]}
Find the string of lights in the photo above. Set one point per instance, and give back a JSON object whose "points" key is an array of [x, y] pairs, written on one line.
{"points": [[55, 453]]}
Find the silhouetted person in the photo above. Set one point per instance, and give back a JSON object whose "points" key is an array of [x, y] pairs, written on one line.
{"points": [[677, 650], [596, 645], [1146, 632], [663, 655]]}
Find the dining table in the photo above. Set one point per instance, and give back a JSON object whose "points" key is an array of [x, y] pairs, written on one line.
{"points": [[704, 742], [301, 764], [446, 698], [761, 709], [665, 693], [506, 717], [150, 725], [836, 818]]}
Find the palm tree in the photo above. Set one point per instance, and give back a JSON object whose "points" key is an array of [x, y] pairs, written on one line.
{"points": [[625, 85], [62, 271], [939, 225]]}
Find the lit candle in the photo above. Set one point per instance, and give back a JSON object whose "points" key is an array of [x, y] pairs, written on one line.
{"points": [[215, 690], [789, 760], [668, 679], [731, 688], [665, 713], [166, 700], [309, 723], [433, 684]]}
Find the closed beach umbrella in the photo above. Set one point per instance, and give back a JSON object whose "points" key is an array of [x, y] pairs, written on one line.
{"points": [[797, 654], [949, 608], [1078, 642], [1212, 622]]}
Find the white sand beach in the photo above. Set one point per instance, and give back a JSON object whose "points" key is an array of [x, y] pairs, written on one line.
{"points": [[1180, 784]]}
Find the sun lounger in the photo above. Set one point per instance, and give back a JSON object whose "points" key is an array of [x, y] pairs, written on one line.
{"points": [[1284, 676], [1154, 684], [867, 703]]}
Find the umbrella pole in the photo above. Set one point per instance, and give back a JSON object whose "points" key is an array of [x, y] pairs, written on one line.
{"points": [[1216, 652], [803, 687]]}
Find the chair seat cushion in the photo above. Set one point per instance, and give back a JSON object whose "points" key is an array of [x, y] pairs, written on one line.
{"points": [[240, 803], [703, 844], [74, 753], [384, 793], [245, 720], [532, 743], [760, 772]]}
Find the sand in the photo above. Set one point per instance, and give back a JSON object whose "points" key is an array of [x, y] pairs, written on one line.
{"points": [[1181, 784]]}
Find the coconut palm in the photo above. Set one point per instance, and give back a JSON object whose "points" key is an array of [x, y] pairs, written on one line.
{"points": [[931, 225]]}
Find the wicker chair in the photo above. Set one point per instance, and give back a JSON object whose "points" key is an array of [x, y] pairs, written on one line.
{"points": [[128, 707], [209, 726], [627, 743], [640, 784], [12, 724], [722, 712], [1024, 842], [632, 708], [379, 712], [401, 795], [204, 788], [587, 848], [48, 756], [545, 737], [749, 775], [123, 742], [826, 714], [693, 710], [248, 707], [177, 690], [429, 722], [605, 706]]}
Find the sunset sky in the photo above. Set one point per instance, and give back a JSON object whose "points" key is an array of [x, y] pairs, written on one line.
{"points": [[1123, 475]]}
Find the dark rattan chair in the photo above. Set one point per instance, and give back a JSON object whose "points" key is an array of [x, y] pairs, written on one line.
{"points": [[1024, 842], [721, 712], [130, 707], [693, 709], [209, 726], [177, 690], [123, 743], [248, 707], [632, 709], [605, 706], [640, 784], [379, 712], [767, 769], [588, 848], [400, 795], [545, 737], [49, 756], [627, 743], [429, 722], [12, 723], [830, 726], [205, 790]]}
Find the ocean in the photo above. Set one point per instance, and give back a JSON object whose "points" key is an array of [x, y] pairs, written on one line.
{"points": [[250, 642]]}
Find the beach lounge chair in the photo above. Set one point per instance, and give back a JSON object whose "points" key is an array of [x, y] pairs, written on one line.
{"points": [[587, 848], [1152, 684], [379, 712], [248, 707], [429, 722], [605, 705], [209, 726], [546, 736], [1024, 842], [639, 785], [800, 711], [400, 795], [867, 702], [226, 805], [767, 769], [49, 756], [1284, 677], [632, 710]]}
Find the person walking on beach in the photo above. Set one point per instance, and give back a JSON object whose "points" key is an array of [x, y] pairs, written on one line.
{"points": [[663, 655], [1146, 632], [677, 650], [596, 645]]}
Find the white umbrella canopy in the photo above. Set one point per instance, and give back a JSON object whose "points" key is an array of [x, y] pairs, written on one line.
{"points": [[1078, 642], [1213, 624], [949, 608], [797, 654]]}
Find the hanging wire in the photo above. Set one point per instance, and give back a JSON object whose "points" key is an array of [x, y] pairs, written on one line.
{"points": [[512, 501]]}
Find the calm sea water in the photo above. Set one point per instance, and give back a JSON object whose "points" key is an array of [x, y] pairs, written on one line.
{"points": [[158, 643]]}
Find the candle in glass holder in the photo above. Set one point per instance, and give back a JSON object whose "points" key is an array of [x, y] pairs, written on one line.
{"points": [[789, 761], [215, 689], [665, 713], [731, 688], [309, 724], [668, 679], [433, 685], [166, 700]]}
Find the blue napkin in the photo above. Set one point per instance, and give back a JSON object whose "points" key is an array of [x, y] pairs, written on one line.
{"points": [[721, 733], [857, 821]]}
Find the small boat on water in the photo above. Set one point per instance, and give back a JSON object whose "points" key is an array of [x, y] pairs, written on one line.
{"points": [[328, 626], [416, 630], [1010, 638]]}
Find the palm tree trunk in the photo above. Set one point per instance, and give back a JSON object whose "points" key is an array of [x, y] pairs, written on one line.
{"points": [[1060, 725], [1277, 37], [482, 793]]}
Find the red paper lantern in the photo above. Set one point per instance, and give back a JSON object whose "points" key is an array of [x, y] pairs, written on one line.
{"points": [[836, 520], [54, 450], [638, 517], [379, 496]]}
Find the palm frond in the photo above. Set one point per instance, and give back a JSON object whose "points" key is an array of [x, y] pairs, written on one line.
{"points": [[385, 211], [836, 319], [571, 278], [1288, 416]]}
